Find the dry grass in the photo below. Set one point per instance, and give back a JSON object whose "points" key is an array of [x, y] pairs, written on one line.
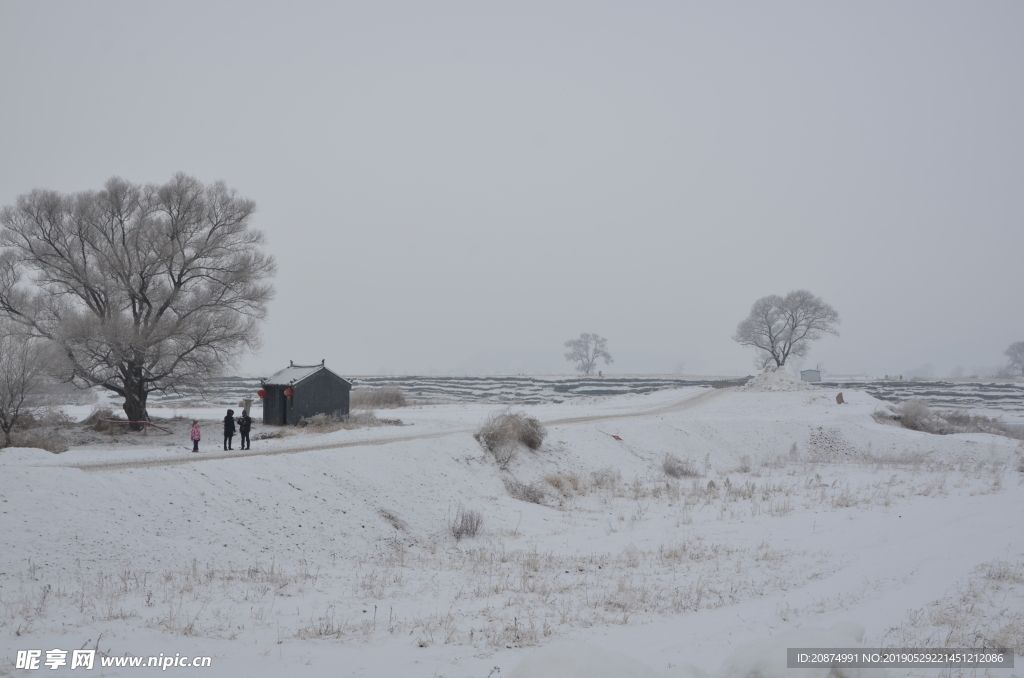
{"points": [[386, 397], [984, 612], [678, 468], [917, 416], [42, 439], [467, 523], [328, 423], [516, 489], [502, 429], [94, 420]]}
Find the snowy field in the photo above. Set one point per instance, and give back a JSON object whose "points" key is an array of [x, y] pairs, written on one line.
{"points": [[332, 554]]}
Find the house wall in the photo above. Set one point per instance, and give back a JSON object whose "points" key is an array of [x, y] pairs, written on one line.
{"points": [[321, 393], [272, 412]]}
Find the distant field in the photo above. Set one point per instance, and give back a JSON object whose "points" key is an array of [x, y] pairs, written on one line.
{"points": [[1003, 399]]}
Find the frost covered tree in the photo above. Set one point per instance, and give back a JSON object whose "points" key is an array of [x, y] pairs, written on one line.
{"points": [[1015, 353], [586, 351], [24, 375], [780, 327], [142, 288]]}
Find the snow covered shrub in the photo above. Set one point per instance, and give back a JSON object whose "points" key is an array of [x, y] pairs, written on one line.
{"points": [[532, 493], [327, 423], [50, 440], [47, 417], [678, 468], [607, 479], [505, 455], [321, 423], [962, 421], [96, 417], [916, 415], [467, 523], [386, 397], [567, 484], [508, 427]]}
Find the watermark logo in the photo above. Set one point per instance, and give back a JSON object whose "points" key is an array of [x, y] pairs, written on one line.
{"points": [[85, 659]]}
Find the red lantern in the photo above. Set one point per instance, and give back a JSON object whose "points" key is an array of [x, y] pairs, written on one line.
{"points": [[261, 393], [288, 393]]}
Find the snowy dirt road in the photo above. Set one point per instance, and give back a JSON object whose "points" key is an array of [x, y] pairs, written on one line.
{"points": [[688, 402]]}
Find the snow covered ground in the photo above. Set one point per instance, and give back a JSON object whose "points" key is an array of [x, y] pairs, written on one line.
{"points": [[332, 554]]}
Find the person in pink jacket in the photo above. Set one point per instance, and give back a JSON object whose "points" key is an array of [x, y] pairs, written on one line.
{"points": [[195, 436]]}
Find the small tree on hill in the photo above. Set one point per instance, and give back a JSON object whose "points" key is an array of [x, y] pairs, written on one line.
{"points": [[1016, 355], [142, 288], [586, 351], [780, 327], [23, 376]]}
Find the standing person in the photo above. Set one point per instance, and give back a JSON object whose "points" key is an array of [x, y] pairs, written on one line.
{"points": [[229, 429], [244, 424], [195, 435]]}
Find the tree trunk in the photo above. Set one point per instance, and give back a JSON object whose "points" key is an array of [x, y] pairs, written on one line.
{"points": [[135, 396], [7, 437]]}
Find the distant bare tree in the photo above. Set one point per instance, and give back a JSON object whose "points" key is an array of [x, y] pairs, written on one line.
{"points": [[24, 363], [1016, 355], [780, 327], [586, 351], [143, 288]]}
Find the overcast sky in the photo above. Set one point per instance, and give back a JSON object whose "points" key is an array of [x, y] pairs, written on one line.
{"points": [[464, 186]]}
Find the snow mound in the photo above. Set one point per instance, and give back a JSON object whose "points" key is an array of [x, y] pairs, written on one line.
{"points": [[776, 379]]}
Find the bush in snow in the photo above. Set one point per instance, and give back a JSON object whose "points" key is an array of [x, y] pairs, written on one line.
{"points": [[917, 416], [503, 428], [467, 523], [326, 423], [532, 493], [50, 441], [678, 468], [96, 417]]}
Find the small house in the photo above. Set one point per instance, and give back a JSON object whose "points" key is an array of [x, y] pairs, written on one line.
{"points": [[810, 375], [300, 391]]}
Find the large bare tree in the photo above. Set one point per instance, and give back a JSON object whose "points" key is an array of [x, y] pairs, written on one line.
{"points": [[24, 375], [1015, 353], [780, 327], [586, 351], [143, 288]]}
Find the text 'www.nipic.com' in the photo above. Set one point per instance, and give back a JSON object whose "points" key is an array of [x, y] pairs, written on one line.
{"points": [[86, 659]]}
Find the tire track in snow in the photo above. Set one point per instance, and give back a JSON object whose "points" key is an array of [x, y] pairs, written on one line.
{"points": [[684, 404]]}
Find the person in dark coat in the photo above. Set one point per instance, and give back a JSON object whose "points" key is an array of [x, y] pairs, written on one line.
{"points": [[244, 424], [229, 429]]}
